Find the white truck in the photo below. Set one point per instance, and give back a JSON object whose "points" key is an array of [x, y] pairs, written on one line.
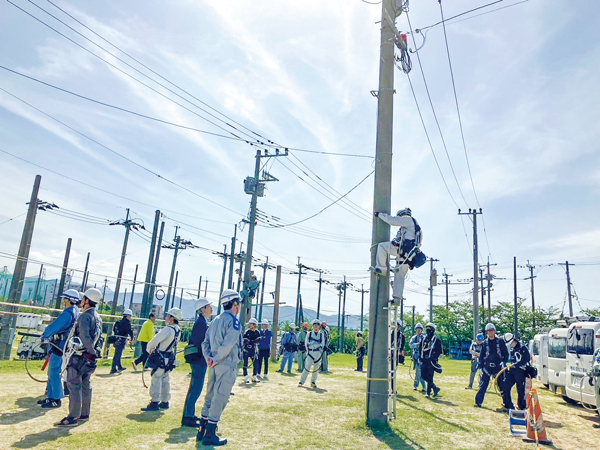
{"points": [[539, 356], [557, 360], [583, 338]]}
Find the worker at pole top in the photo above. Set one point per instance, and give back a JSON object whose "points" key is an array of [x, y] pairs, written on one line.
{"points": [[222, 349], [404, 247], [475, 351], [122, 330], [55, 335], [516, 374], [493, 357]]}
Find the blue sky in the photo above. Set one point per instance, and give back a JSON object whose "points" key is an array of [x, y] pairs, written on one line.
{"points": [[299, 73]]}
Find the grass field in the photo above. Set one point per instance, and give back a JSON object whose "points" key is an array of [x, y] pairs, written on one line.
{"points": [[279, 415]]}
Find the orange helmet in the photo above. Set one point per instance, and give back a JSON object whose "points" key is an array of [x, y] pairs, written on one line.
{"points": [[305, 325], [324, 323]]}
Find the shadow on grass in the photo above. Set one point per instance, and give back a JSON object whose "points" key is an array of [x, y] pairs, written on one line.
{"points": [[460, 427], [108, 375], [395, 439], [408, 397], [181, 435], [552, 424], [148, 416], [33, 440], [29, 410], [443, 402]]}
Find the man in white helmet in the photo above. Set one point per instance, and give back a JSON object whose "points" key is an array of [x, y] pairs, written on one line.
{"points": [[415, 345], [431, 350], [516, 374], [403, 247], [162, 349], [55, 335], [251, 341], [493, 357], [289, 347], [264, 348], [315, 347], [121, 331], [195, 358], [222, 349], [84, 346]]}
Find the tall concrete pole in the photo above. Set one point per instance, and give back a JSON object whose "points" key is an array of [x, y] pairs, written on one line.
{"points": [[63, 276], [152, 287], [489, 291], [133, 287], [298, 293], [241, 269], [344, 315], [362, 305], [276, 314], [431, 284], [516, 298], [530, 267], [199, 287], [177, 240], [174, 290], [121, 265], [85, 273], [232, 258], [205, 287], [146, 299], [474, 213], [8, 321], [377, 376], [223, 276], [319, 297], [262, 294], [569, 290], [37, 284]]}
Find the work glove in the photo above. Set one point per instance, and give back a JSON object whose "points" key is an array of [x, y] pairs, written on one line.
{"points": [[90, 357], [376, 214]]}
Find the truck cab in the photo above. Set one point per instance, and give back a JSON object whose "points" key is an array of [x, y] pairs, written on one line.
{"points": [[557, 360], [539, 356], [583, 338]]}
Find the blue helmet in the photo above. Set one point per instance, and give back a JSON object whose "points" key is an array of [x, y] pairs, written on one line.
{"points": [[404, 212], [479, 337]]}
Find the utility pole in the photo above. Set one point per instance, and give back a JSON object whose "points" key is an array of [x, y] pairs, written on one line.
{"points": [[181, 299], [37, 284], [432, 283], [320, 281], [230, 282], [413, 319], [174, 292], [177, 239], [276, 314], [474, 213], [224, 255], [446, 282], [103, 293], [516, 298], [241, 269], [345, 287], [199, 287], [146, 299], [85, 273], [362, 304], [152, 287], [127, 224], [377, 374], [262, 294], [569, 290], [482, 289], [205, 287], [531, 277], [339, 288], [132, 287], [255, 187], [489, 289], [63, 276], [298, 293]]}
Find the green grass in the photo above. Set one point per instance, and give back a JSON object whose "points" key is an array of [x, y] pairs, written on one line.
{"points": [[279, 415]]}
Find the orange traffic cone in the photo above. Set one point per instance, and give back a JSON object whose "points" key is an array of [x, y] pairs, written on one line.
{"points": [[536, 432], [528, 386]]}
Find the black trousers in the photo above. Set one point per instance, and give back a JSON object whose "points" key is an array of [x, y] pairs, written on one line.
{"points": [[144, 356], [263, 355], [359, 362], [514, 377], [247, 356], [427, 374]]}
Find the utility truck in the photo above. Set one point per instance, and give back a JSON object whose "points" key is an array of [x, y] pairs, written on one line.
{"points": [[557, 360], [539, 356], [583, 338]]}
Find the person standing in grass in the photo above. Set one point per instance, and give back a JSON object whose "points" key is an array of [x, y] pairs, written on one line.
{"points": [[145, 336], [122, 330], [195, 358], [415, 345], [315, 347], [360, 351], [494, 355], [289, 344], [475, 351], [264, 348], [301, 354], [431, 349]]}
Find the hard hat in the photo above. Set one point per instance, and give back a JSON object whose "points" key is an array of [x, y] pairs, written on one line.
{"points": [[93, 295], [419, 325], [265, 322], [229, 295], [201, 303], [127, 312], [292, 326], [509, 337], [72, 295], [479, 337], [399, 322], [254, 321], [305, 325], [490, 326], [176, 313], [359, 333], [324, 323], [404, 212], [430, 325], [316, 322]]}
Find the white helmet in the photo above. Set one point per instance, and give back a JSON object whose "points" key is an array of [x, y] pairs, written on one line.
{"points": [[399, 322], [316, 322], [128, 312], [490, 326], [229, 295], [404, 212], [254, 321], [292, 326], [201, 303], [93, 295], [419, 325], [430, 325], [176, 313], [72, 295], [264, 322], [508, 338]]}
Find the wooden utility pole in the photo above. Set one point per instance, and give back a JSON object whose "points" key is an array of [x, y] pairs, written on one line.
{"points": [[276, 315]]}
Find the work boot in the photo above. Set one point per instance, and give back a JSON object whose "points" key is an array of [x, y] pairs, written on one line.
{"points": [[265, 378], [211, 438], [436, 391], [313, 385], [247, 379], [44, 400], [191, 422], [201, 430], [255, 379], [377, 271], [152, 406], [53, 403], [163, 405], [66, 389]]}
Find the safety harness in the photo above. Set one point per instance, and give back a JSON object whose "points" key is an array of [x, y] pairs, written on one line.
{"points": [[310, 347], [487, 364], [164, 359], [291, 346], [74, 345], [58, 338]]}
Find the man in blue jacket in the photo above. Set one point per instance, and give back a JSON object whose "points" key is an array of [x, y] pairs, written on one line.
{"points": [[289, 347], [264, 348], [195, 359], [493, 357], [55, 335]]}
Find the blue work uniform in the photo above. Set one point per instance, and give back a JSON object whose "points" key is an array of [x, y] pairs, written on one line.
{"points": [[289, 344], [492, 358], [59, 328], [520, 358], [198, 364], [415, 345], [264, 350], [223, 343]]}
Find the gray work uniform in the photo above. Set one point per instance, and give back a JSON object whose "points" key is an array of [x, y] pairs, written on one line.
{"points": [[81, 366], [223, 343], [165, 340]]}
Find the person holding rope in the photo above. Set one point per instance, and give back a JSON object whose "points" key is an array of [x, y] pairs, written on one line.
{"points": [[222, 349], [84, 346], [162, 349], [516, 374], [121, 331], [361, 349], [145, 336], [55, 336], [289, 347], [431, 349], [264, 348], [493, 357], [251, 340], [475, 351], [195, 358], [315, 347], [415, 345]]}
